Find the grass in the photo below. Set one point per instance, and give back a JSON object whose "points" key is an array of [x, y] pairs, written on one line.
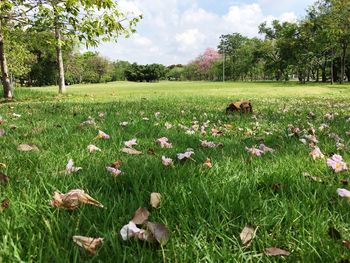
{"points": [[205, 209]]}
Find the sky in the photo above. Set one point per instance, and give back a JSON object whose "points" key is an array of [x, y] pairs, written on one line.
{"points": [[177, 31]]}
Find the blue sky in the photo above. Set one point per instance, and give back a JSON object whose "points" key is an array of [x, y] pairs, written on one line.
{"points": [[176, 31]]}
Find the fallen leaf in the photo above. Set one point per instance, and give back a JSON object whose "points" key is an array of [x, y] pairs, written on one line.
{"points": [[247, 235], [141, 215], [2, 165], [88, 243], [346, 243], [72, 199], [207, 163], [4, 179], [159, 231], [117, 164], [131, 151], [155, 200], [2, 132], [5, 204], [27, 148], [275, 251]]}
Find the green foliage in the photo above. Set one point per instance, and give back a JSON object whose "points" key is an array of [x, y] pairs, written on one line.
{"points": [[148, 73]]}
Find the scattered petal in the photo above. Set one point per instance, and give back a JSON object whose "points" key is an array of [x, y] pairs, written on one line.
{"points": [[155, 200], [336, 163], [124, 124], [343, 193], [164, 143], [316, 153], [102, 135], [130, 143], [185, 155], [88, 243], [114, 171], [89, 122], [92, 148], [70, 168], [167, 161]]}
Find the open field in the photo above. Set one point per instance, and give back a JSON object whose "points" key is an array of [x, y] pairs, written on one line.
{"points": [[204, 209]]}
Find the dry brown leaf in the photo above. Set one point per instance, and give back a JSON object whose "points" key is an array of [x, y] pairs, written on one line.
{"points": [[207, 163], [117, 164], [2, 132], [159, 231], [27, 148], [275, 251], [131, 151], [88, 243], [155, 200], [247, 235], [228, 126], [5, 204], [4, 179], [72, 199], [346, 243], [140, 217]]}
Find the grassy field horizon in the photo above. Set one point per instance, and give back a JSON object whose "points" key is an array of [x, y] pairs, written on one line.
{"points": [[286, 196]]}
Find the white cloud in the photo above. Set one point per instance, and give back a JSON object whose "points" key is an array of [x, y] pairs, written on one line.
{"points": [[176, 31]]}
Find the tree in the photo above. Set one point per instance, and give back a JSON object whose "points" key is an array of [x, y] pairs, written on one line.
{"points": [[89, 21], [13, 13], [205, 61]]}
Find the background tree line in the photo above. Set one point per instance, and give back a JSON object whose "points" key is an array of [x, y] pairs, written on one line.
{"points": [[316, 48]]}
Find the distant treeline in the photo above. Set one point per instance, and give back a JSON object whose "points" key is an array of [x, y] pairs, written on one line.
{"points": [[315, 48]]}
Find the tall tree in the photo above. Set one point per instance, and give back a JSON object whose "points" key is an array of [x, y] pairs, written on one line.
{"points": [[89, 21]]}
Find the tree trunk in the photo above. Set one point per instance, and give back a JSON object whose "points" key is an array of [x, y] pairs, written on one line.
{"points": [[61, 82], [342, 64], [5, 78], [324, 67], [332, 72]]}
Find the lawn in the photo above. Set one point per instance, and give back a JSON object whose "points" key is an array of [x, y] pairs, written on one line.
{"points": [[205, 209]]}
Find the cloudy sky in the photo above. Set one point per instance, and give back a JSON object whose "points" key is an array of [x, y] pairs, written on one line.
{"points": [[176, 31]]}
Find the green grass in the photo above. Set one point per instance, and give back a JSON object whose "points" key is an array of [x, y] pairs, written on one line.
{"points": [[204, 209]]}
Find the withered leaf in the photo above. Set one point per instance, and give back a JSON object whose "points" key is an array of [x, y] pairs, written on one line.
{"points": [[155, 200], [72, 199], [4, 179], [247, 235], [88, 243], [275, 251], [344, 181], [2, 132], [140, 217], [5, 204], [27, 148], [346, 243], [131, 151], [159, 231], [117, 164], [207, 163]]}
